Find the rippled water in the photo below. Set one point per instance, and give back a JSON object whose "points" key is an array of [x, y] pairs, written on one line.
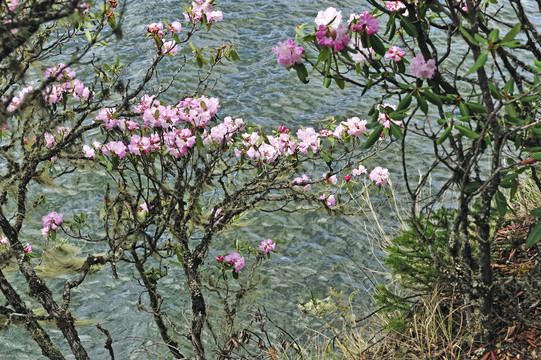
{"points": [[314, 248]]}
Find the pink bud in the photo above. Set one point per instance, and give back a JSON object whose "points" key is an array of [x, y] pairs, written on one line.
{"points": [[348, 177]]}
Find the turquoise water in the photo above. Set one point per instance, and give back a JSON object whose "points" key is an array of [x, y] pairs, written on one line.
{"points": [[314, 250]]}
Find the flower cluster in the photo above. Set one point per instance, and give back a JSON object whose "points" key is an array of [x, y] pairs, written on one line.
{"points": [[331, 33], [50, 222], [395, 53], [156, 30], [203, 9], [422, 69], [363, 23], [395, 5], [68, 84], [302, 180], [384, 118], [289, 53], [234, 259], [379, 175], [267, 246]]}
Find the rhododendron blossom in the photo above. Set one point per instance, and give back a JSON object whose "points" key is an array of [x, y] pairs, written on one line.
{"points": [[324, 18], [155, 28], [363, 23], [49, 139], [175, 27], [334, 38], [170, 48], [384, 118], [303, 179], [379, 175], [330, 179], [395, 53], [267, 246], [329, 200], [200, 8], [236, 260], [422, 69], [309, 139], [88, 152], [288, 53], [395, 5], [27, 248], [360, 170], [51, 221]]}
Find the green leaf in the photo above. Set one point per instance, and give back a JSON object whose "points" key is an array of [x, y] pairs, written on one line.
{"points": [[511, 110], [501, 203], [463, 109], [444, 136], [377, 45], [302, 73], [476, 108], [340, 82], [373, 137], [408, 26], [481, 60], [396, 131], [468, 36], [535, 235], [471, 187], [512, 33], [199, 141], [537, 156], [494, 35], [422, 103], [88, 36], [467, 132], [493, 90], [327, 81], [405, 102], [509, 180], [433, 98], [536, 212], [509, 86]]}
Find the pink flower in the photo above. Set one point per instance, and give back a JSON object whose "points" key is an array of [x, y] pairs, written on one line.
{"points": [[359, 171], [267, 246], [379, 175], [155, 28], [325, 17], [334, 38], [347, 178], [117, 147], [236, 260], [422, 69], [395, 5], [49, 139], [363, 23], [300, 181], [51, 221], [175, 27], [329, 200], [384, 118], [3, 240], [170, 48], [28, 248], [331, 179], [395, 53], [288, 53], [219, 258]]}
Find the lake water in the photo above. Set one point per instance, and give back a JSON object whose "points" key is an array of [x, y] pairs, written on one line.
{"points": [[314, 250]]}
